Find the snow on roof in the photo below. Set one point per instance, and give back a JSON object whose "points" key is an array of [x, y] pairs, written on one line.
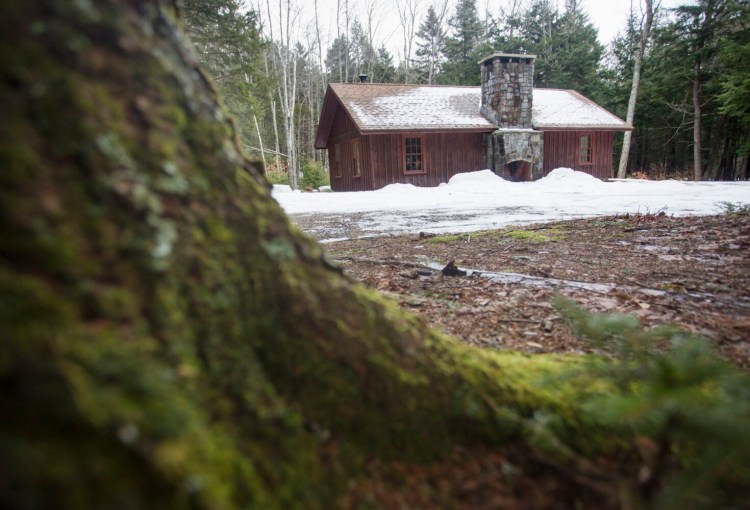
{"points": [[553, 108], [375, 107], [388, 107]]}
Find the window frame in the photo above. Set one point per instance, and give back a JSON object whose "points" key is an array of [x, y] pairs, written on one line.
{"points": [[590, 137], [422, 154], [356, 158], [337, 160]]}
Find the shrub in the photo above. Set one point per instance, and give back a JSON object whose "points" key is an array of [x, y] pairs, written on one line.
{"points": [[276, 172], [735, 209], [314, 175]]}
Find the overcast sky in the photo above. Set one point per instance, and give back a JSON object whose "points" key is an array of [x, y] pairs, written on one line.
{"points": [[607, 15]]}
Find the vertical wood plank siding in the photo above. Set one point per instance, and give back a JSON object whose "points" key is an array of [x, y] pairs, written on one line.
{"points": [[561, 150], [445, 154], [344, 132]]}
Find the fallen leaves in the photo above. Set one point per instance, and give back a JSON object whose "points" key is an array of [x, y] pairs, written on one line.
{"points": [[685, 275]]}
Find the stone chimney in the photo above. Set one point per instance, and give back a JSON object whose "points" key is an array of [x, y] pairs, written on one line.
{"points": [[507, 89], [514, 151]]}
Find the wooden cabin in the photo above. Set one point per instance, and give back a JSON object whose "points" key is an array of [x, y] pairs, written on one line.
{"points": [[380, 134]]}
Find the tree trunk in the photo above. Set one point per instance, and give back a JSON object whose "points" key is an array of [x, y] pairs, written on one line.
{"points": [[697, 116], [645, 34], [260, 142], [169, 341]]}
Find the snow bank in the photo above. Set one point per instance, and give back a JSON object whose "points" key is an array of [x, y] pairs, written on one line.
{"points": [[481, 200], [561, 178], [483, 181], [281, 188]]}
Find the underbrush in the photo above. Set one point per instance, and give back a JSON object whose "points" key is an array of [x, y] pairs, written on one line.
{"points": [[686, 410], [735, 208]]}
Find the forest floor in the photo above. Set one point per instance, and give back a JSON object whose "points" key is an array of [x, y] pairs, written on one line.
{"points": [[693, 272]]}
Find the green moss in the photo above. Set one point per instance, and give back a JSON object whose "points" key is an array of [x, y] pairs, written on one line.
{"points": [[169, 339], [446, 239], [536, 236], [462, 237]]}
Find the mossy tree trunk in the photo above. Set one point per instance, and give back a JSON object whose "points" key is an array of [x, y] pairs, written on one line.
{"points": [[169, 340]]}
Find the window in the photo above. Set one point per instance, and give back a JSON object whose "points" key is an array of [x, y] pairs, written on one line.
{"points": [[357, 168], [337, 159], [585, 150], [413, 156]]}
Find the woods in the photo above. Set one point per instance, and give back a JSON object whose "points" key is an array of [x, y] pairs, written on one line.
{"points": [[170, 341], [691, 115]]}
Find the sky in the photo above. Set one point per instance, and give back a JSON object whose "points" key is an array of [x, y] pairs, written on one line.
{"points": [[607, 15], [481, 200]]}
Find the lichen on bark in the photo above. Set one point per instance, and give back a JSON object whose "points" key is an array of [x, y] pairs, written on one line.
{"points": [[170, 340]]}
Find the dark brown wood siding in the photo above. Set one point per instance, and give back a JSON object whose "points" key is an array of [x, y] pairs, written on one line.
{"points": [[445, 154], [345, 135], [561, 149]]}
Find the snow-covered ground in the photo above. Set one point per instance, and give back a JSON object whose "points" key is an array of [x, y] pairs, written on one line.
{"points": [[481, 200]]}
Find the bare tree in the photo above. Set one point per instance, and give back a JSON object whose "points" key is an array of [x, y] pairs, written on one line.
{"points": [[285, 61], [407, 15], [373, 22], [647, 20]]}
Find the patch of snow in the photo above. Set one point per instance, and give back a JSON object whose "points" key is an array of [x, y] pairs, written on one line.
{"points": [[325, 189], [282, 188], [568, 177], [481, 200], [400, 188]]}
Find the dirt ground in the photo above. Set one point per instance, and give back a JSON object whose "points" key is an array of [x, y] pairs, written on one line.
{"points": [[692, 272]]}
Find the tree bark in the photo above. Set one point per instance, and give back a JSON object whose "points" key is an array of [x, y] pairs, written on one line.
{"points": [[645, 34], [697, 118], [169, 341]]}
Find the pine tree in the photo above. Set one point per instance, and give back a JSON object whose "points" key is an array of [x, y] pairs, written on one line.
{"points": [[566, 45], [338, 58], [383, 70], [430, 45], [229, 44], [460, 67], [735, 81]]}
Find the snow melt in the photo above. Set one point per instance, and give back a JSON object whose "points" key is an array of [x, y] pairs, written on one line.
{"points": [[482, 200]]}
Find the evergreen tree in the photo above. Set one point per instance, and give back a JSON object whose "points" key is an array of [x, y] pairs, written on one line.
{"points": [[430, 45], [462, 46], [699, 25], [734, 98], [617, 67], [505, 32], [170, 341], [362, 53], [566, 45], [229, 45], [383, 70], [338, 59]]}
